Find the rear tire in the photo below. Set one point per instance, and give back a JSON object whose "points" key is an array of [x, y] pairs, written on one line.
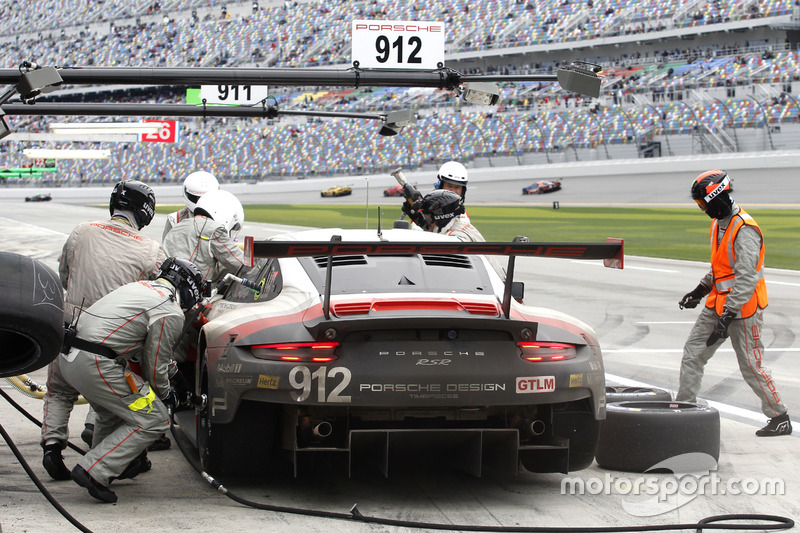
{"points": [[31, 314], [241, 448], [636, 436], [636, 394], [576, 421]]}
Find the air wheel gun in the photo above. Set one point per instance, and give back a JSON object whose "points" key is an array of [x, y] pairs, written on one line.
{"points": [[413, 203]]}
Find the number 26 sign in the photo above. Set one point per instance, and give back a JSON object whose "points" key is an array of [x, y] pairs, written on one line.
{"points": [[168, 132], [398, 44]]}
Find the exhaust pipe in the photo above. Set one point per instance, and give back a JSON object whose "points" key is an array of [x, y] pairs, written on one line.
{"points": [[322, 430], [537, 427]]}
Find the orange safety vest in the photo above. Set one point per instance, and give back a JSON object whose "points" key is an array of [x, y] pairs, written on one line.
{"points": [[723, 257]]}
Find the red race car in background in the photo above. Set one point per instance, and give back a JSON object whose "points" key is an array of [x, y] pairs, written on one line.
{"points": [[541, 187], [397, 190]]}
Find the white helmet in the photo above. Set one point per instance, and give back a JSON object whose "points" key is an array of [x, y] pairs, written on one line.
{"points": [[224, 208], [196, 185], [453, 172]]}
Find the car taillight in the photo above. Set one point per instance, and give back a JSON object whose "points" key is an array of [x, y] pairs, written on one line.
{"points": [[306, 352], [537, 351]]}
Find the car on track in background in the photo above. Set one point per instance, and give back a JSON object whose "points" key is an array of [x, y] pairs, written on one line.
{"points": [[397, 190], [336, 191], [39, 197], [357, 344], [542, 186]]}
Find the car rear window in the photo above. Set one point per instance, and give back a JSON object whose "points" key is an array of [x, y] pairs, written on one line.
{"points": [[358, 274]]}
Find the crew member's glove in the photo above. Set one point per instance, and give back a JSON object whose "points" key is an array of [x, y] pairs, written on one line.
{"points": [[171, 400], [414, 212], [690, 300], [721, 327]]}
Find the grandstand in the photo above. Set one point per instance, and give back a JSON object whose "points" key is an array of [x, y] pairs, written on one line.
{"points": [[686, 77]]}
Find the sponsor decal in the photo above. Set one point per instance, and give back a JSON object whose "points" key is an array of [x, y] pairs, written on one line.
{"points": [[268, 382], [536, 384], [576, 380], [239, 381], [229, 368]]}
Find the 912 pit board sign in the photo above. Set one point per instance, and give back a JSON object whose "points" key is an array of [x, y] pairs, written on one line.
{"points": [[398, 44]]}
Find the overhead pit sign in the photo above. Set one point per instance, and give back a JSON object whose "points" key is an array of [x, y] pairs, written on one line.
{"points": [[398, 44]]}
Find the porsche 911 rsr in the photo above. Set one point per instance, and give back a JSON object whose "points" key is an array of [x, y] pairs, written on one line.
{"points": [[359, 344]]}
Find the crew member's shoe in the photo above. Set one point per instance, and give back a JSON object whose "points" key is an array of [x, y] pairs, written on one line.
{"points": [[87, 434], [779, 425], [139, 465], [96, 490], [162, 443], [53, 462]]}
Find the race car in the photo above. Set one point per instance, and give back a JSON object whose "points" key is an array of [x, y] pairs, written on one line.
{"points": [[39, 197], [541, 187], [354, 344], [397, 190], [336, 191]]}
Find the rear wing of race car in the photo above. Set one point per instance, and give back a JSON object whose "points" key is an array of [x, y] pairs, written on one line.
{"points": [[611, 252]]}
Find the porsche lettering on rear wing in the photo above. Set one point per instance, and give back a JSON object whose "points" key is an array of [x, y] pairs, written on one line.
{"points": [[611, 252]]}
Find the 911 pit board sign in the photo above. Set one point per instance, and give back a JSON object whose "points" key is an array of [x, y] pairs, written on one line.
{"points": [[234, 94], [398, 44]]}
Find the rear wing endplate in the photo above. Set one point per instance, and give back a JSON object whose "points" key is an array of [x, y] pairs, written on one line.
{"points": [[611, 252]]}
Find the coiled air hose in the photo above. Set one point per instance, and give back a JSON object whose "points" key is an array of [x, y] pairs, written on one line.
{"points": [[31, 389]]}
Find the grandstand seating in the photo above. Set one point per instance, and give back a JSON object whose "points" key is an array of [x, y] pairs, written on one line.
{"points": [[643, 101]]}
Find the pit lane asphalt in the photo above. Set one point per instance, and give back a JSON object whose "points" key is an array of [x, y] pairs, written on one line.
{"points": [[641, 330]]}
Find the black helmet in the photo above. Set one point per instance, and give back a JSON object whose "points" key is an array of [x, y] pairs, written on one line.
{"points": [[136, 197], [186, 278], [441, 206], [711, 192]]}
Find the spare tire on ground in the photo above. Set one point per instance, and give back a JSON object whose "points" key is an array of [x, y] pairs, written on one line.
{"points": [[636, 394], [31, 314], [636, 436]]}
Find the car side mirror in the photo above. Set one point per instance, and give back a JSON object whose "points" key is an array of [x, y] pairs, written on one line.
{"points": [[517, 290]]}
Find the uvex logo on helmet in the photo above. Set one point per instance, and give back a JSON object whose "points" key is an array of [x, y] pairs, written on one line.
{"points": [[716, 189]]}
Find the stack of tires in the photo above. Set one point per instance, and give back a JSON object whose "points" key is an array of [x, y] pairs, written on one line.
{"points": [[31, 314], [644, 427]]}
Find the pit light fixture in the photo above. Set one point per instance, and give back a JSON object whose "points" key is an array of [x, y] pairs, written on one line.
{"points": [[396, 121], [481, 93], [43, 153], [102, 128]]}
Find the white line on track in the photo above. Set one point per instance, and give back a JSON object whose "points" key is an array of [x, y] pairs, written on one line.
{"points": [[667, 322], [783, 283], [40, 228], [680, 350], [628, 267]]}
